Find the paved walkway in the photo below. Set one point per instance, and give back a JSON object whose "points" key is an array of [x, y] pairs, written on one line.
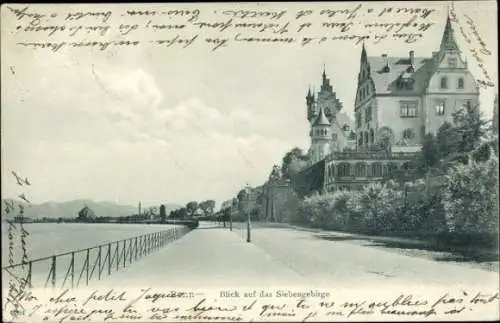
{"points": [[212, 256], [207, 257]]}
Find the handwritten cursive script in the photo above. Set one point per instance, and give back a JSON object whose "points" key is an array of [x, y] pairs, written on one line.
{"points": [[104, 28]]}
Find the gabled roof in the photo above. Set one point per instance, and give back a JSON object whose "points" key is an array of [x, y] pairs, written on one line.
{"points": [[386, 82], [321, 120]]}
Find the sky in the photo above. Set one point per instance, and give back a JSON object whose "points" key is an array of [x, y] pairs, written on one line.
{"points": [[165, 125]]}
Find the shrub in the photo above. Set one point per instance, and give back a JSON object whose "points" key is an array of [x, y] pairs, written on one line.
{"points": [[470, 199], [381, 206]]}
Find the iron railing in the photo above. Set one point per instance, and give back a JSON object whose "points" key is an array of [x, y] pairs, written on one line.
{"points": [[356, 155], [94, 262]]}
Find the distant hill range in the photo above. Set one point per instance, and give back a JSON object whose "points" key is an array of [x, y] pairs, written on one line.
{"points": [[70, 209]]}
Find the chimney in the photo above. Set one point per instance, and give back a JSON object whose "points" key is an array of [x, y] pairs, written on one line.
{"points": [[412, 58]]}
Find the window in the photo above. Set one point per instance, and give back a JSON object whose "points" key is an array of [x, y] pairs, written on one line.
{"points": [[368, 116], [360, 140], [452, 62], [360, 170], [344, 170], [377, 170], [444, 82], [408, 109], [372, 136], [405, 82], [334, 136], [440, 107], [358, 119], [366, 138], [460, 83]]}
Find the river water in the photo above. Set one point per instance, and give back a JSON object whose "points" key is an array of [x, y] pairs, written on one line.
{"points": [[47, 239]]}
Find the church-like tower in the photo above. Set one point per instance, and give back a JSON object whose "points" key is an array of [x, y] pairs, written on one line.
{"points": [[311, 112], [326, 99]]}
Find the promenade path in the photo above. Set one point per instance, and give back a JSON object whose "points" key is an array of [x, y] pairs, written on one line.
{"points": [[208, 257], [212, 256]]}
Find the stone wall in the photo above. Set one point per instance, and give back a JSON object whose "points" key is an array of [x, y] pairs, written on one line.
{"points": [[309, 180], [279, 202]]}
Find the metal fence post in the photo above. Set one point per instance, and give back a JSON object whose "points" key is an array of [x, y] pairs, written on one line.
{"points": [[99, 262], [130, 251], [109, 259], [124, 252], [148, 243], [117, 256], [72, 269], [28, 278], [135, 248], [54, 271], [141, 246], [88, 264]]}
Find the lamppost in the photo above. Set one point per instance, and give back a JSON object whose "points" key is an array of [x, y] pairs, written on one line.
{"points": [[247, 191]]}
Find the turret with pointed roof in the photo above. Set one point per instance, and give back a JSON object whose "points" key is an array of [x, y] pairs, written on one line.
{"points": [[321, 120], [448, 42], [320, 137]]}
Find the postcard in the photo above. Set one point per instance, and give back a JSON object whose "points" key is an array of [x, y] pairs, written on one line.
{"points": [[245, 162]]}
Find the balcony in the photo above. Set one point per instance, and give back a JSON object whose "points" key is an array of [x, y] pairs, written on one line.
{"points": [[370, 156]]}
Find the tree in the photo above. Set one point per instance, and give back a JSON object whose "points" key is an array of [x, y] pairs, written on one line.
{"points": [[179, 213], [192, 207], [242, 194], [86, 214], [207, 207], [163, 213], [148, 213], [385, 139], [471, 128], [429, 154], [446, 138], [296, 157], [296, 165]]}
